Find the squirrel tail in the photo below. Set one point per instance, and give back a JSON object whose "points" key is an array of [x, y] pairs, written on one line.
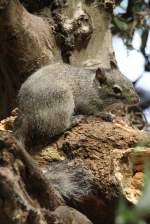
{"points": [[69, 178]]}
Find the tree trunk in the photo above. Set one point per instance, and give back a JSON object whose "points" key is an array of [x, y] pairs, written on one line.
{"points": [[27, 43]]}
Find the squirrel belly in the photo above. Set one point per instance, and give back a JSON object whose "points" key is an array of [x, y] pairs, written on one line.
{"points": [[48, 113]]}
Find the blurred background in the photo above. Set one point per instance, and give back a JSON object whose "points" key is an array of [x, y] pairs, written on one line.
{"points": [[131, 44]]}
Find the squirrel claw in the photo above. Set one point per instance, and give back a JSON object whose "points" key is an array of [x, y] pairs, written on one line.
{"points": [[75, 120]]}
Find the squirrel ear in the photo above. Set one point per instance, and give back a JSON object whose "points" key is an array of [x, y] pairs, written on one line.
{"points": [[100, 76]]}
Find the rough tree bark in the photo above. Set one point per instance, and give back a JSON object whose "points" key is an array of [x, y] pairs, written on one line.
{"points": [[103, 148]]}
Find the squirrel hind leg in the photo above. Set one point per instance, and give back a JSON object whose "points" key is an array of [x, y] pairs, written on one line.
{"points": [[60, 116], [21, 129]]}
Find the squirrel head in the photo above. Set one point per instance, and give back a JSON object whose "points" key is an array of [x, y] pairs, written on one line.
{"points": [[103, 80], [114, 86]]}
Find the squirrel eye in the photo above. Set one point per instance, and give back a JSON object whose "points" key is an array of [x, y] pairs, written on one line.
{"points": [[117, 89]]}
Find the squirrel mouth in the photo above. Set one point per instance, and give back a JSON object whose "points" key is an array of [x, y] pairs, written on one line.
{"points": [[115, 98]]}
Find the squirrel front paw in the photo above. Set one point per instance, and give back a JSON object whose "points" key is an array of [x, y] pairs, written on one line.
{"points": [[106, 116]]}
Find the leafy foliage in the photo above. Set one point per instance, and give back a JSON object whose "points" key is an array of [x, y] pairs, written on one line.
{"points": [[136, 16], [145, 142]]}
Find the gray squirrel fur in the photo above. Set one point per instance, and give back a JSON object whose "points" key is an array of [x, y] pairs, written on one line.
{"points": [[50, 97], [70, 179], [47, 102]]}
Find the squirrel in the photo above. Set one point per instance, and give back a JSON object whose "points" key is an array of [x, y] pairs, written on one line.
{"points": [[48, 102], [50, 98]]}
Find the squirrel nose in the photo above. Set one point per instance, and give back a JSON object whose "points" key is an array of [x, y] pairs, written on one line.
{"points": [[136, 100]]}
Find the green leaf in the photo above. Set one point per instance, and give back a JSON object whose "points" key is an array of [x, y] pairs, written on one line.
{"points": [[120, 24]]}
